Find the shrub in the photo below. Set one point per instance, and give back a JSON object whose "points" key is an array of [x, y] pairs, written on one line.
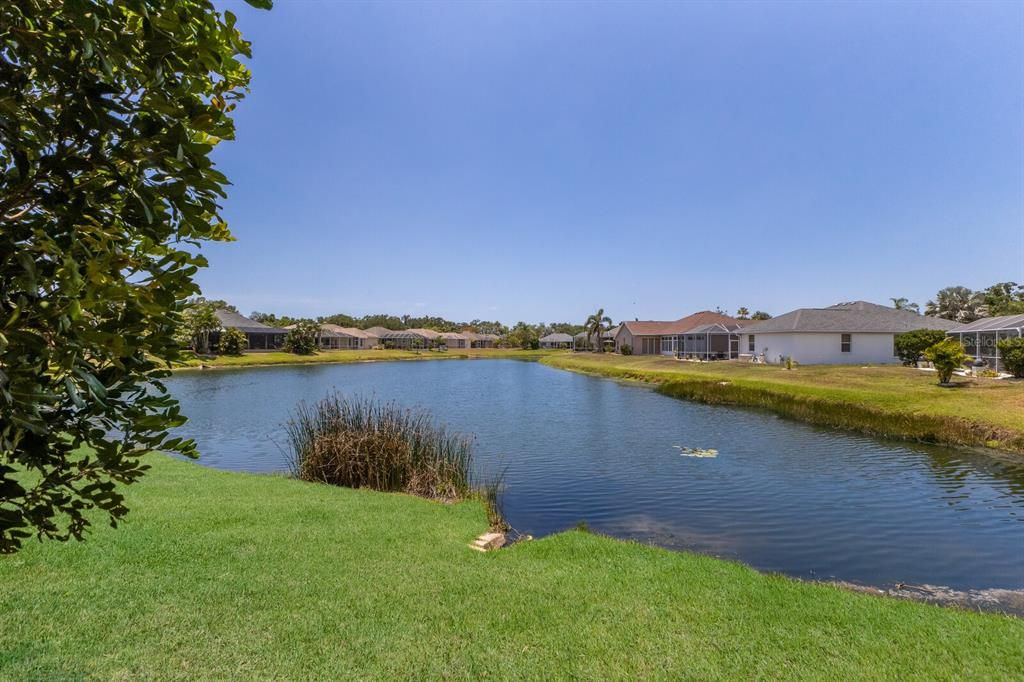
{"points": [[910, 346], [233, 342], [947, 355], [1012, 353], [360, 443], [302, 338], [790, 362], [626, 349]]}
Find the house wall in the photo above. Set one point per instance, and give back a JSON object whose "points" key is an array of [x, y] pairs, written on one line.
{"points": [[636, 343], [823, 348]]}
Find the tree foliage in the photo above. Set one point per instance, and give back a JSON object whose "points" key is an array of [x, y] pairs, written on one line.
{"points": [[958, 303], [303, 338], [760, 315], [595, 326], [198, 321], [108, 114], [233, 341], [910, 346], [1004, 298], [1012, 353], [905, 304], [947, 355]]}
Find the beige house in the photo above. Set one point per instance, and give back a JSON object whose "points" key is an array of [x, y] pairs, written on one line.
{"points": [[705, 333], [477, 340]]}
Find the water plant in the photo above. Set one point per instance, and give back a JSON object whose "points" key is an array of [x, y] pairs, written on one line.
{"points": [[362, 443]]}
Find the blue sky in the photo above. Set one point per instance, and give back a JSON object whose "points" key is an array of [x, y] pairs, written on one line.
{"points": [[536, 161]]}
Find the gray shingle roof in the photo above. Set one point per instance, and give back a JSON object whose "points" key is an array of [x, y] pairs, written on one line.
{"points": [[232, 320], [991, 324], [858, 316], [556, 337]]}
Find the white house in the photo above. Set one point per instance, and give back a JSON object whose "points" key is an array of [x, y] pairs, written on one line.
{"points": [[843, 334]]}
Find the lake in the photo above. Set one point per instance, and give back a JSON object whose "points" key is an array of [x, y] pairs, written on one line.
{"points": [[780, 496]]}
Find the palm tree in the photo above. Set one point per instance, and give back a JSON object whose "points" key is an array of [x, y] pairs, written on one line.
{"points": [[905, 304], [596, 325], [959, 304], [742, 314]]}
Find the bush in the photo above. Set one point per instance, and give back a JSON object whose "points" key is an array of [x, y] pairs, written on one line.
{"points": [[910, 346], [360, 443], [1012, 353], [626, 349], [302, 338], [947, 355], [233, 342]]}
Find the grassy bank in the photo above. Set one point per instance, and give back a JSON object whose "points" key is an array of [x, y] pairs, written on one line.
{"points": [[254, 359], [220, 575], [897, 402]]}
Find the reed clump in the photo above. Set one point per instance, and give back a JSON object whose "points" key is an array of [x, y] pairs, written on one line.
{"points": [[362, 443]]}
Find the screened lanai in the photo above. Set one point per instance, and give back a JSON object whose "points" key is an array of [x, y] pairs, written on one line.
{"points": [[710, 342], [979, 337]]}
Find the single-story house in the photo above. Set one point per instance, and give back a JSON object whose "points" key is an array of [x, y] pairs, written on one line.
{"points": [[979, 337], [478, 340], [556, 340], [716, 338], [335, 337], [410, 338], [847, 333], [455, 340], [258, 336]]}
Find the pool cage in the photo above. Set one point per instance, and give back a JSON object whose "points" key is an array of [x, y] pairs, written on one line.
{"points": [[979, 337]]}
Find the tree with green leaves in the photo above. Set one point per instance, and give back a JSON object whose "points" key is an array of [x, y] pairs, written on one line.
{"points": [[947, 356], [303, 338], [742, 314], [910, 346], [958, 303], [198, 321], [760, 315], [233, 342], [1011, 351], [905, 304], [1004, 298], [595, 326], [108, 114]]}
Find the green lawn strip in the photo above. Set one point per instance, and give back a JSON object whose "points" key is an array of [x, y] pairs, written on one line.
{"points": [[254, 359], [221, 575], [892, 401]]}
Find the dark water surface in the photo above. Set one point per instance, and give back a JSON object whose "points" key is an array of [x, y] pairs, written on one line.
{"points": [[780, 496]]}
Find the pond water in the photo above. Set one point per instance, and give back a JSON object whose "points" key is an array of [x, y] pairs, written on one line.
{"points": [[780, 496]]}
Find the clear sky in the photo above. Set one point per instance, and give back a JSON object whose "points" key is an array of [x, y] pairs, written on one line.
{"points": [[536, 161]]}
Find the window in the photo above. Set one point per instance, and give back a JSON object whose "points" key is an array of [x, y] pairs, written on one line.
{"points": [[846, 341], [750, 343]]}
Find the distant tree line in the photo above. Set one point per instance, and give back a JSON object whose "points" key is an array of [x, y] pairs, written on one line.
{"points": [[960, 304]]}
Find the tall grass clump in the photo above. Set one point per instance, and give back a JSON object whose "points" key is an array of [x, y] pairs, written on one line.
{"points": [[362, 443]]}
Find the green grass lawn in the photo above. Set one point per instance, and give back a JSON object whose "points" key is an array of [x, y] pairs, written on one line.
{"points": [[221, 575], [342, 356], [890, 400]]}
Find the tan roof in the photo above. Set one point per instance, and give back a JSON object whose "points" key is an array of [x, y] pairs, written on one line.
{"points": [[681, 326]]}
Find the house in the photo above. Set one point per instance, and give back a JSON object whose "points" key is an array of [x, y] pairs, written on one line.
{"points": [[478, 340], [258, 336], [410, 339], [455, 340], [556, 340], [704, 334], [847, 333], [979, 337], [335, 337]]}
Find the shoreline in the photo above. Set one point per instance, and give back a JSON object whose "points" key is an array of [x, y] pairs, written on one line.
{"points": [[859, 409], [398, 567], [814, 406]]}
